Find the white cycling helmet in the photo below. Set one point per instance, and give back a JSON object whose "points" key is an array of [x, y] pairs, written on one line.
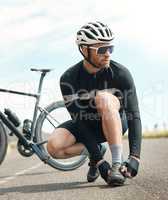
{"points": [[94, 33]]}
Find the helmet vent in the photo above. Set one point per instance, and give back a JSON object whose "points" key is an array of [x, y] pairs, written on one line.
{"points": [[94, 25], [93, 31], [101, 32], [107, 32], [89, 35]]}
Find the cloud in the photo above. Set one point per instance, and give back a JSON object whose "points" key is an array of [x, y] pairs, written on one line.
{"points": [[143, 21], [23, 23], [145, 25]]}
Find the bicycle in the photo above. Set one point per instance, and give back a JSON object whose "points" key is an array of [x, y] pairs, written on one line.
{"points": [[33, 138]]}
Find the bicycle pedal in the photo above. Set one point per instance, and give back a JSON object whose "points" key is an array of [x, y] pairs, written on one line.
{"points": [[12, 117]]}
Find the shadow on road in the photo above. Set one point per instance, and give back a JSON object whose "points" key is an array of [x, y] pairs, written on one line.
{"points": [[51, 187]]}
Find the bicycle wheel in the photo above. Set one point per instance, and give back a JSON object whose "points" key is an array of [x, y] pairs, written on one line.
{"points": [[3, 142], [48, 120]]}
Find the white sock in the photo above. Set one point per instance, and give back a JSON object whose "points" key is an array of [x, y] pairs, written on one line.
{"points": [[116, 152]]}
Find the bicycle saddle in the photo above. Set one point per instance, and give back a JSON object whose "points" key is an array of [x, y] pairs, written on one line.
{"points": [[41, 70]]}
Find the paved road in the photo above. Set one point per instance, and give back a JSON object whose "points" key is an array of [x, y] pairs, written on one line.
{"points": [[28, 179]]}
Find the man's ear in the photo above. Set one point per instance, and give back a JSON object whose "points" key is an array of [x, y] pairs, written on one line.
{"points": [[84, 49]]}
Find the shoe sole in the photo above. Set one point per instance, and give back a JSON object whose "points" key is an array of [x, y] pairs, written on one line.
{"points": [[91, 178], [116, 182]]}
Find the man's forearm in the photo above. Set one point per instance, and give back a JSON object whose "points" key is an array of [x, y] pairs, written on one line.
{"points": [[135, 137]]}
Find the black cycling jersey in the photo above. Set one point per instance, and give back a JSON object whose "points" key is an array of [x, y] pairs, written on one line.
{"points": [[79, 87]]}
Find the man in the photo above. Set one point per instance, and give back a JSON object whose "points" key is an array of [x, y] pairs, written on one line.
{"points": [[101, 98]]}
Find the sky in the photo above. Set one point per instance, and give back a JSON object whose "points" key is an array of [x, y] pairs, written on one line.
{"points": [[41, 34]]}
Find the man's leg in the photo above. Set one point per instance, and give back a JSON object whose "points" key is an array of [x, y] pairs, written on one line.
{"points": [[108, 106], [62, 144], [93, 172], [96, 152]]}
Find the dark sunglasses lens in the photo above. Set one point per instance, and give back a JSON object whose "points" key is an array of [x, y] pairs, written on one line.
{"points": [[102, 50]]}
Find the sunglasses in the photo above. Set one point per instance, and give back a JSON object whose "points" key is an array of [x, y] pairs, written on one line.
{"points": [[103, 49]]}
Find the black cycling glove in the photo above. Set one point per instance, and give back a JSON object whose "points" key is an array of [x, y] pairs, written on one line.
{"points": [[132, 166]]}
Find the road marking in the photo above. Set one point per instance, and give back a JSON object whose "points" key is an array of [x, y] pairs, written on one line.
{"points": [[9, 178]]}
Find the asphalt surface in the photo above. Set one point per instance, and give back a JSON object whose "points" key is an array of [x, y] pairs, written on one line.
{"points": [[28, 178]]}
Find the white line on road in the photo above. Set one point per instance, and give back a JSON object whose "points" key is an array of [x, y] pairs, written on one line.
{"points": [[9, 178]]}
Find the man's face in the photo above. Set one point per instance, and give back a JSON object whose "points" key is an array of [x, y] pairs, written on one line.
{"points": [[100, 54]]}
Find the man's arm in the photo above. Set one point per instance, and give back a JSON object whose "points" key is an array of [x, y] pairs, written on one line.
{"points": [[130, 167], [133, 116]]}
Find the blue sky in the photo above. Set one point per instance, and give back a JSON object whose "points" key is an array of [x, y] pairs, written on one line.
{"points": [[40, 33]]}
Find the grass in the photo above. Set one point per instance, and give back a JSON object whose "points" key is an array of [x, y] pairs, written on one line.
{"points": [[153, 134]]}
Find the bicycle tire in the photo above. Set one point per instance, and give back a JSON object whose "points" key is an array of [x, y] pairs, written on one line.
{"points": [[3, 142], [55, 163]]}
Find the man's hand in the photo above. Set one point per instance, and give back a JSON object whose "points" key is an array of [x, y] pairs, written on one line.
{"points": [[129, 168]]}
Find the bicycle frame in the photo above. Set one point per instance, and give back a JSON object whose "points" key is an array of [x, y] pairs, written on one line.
{"points": [[33, 144], [18, 134]]}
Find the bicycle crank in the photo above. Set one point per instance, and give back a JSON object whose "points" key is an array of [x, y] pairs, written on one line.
{"points": [[24, 151]]}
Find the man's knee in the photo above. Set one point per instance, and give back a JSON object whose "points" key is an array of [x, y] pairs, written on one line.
{"points": [[59, 140], [53, 147], [106, 101], [54, 144]]}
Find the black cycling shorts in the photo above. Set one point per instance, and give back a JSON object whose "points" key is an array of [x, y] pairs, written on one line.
{"points": [[74, 129]]}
